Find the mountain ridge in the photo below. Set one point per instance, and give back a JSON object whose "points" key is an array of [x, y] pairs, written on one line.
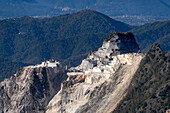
{"points": [[149, 89], [27, 40], [157, 32], [30, 40], [138, 11], [104, 78]]}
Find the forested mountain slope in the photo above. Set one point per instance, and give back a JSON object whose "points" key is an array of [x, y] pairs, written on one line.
{"points": [[67, 38], [150, 87], [28, 40], [157, 32]]}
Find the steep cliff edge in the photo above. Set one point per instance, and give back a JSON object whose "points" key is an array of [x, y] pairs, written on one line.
{"points": [[103, 79], [30, 89], [149, 91], [95, 86]]}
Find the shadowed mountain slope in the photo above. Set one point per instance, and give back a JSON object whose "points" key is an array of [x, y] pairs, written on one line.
{"points": [[150, 87], [157, 32]]}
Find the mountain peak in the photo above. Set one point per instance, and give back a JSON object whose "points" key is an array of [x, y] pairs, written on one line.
{"points": [[115, 44], [155, 51], [150, 85], [156, 46], [103, 74], [122, 35], [121, 43]]}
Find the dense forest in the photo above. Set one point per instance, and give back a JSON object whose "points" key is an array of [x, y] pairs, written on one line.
{"points": [[157, 32]]}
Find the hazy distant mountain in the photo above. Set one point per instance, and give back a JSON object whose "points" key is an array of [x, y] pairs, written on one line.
{"points": [[138, 11]]}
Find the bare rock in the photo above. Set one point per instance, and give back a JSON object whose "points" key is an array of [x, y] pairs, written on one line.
{"points": [[105, 77], [115, 44], [30, 89]]}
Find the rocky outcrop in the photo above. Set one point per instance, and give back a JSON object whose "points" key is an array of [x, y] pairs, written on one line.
{"points": [[31, 88], [97, 86], [120, 43], [104, 79], [115, 44], [149, 91]]}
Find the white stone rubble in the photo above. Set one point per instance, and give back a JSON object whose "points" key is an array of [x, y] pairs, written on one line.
{"points": [[104, 68]]}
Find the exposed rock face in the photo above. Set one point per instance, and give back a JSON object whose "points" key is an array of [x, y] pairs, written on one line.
{"points": [[115, 44], [120, 43], [30, 89], [103, 81], [107, 74]]}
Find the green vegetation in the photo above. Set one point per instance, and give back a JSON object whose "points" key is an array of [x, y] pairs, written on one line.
{"points": [[150, 88], [67, 38], [157, 32], [10, 68]]}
